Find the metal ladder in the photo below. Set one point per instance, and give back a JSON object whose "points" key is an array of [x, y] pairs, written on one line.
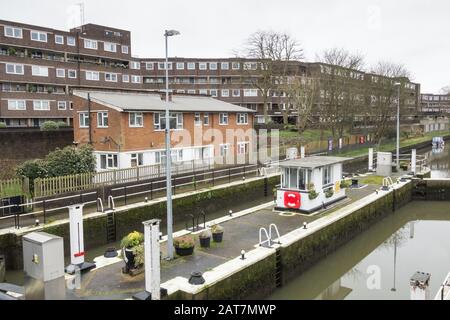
{"points": [[111, 227]]}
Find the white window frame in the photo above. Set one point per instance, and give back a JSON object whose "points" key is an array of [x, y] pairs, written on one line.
{"points": [[113, 77], [135, 65], [327, 176], [224, 149], [203, 91], [125, 49], [250, 92], [110, 47], [90, 44], [60, 37], [213, 66], [109, 158], [92, 75], [202, 66], [149, 65], [62, 105], [180, 65], [133, 117], [41, 105], [191, 65], [125, 78], [39, 34], [102, 119], [71, 41], [225, 93], [63, 75], [235, 65], [136, 79], [84, 119], [242, 118], [17, 105], [206, 119], [223, 118], [39, 71], [243, 147], [139, 158], [162, 65], [71, 71], [214, 93], [15, 66], [19, 34], [238, 93], [197, 119], [225, 66], [157, 120]]}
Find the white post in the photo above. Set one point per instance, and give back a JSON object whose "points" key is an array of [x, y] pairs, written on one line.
{"points": [[302, 152], [76, 235], [420, 286], [152, 259], [370, 159], [413, 160]]}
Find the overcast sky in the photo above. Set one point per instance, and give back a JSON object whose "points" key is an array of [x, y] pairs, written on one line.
{"points": [[412, 32]]}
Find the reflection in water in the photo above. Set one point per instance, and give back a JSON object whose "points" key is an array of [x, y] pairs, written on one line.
{"points": [[378, 263]]}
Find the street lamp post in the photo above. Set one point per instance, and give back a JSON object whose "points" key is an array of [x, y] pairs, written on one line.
{"points": [[167, 34], [398, 85]]}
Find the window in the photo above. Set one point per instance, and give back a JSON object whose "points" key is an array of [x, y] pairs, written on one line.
{"points": [[213, 93], [125, 49], [102, 120], [225, 93], [135, 79], [191, 65], [84, 120], [125, 78], [191, 91], [71, 41], [242, 118], [224, 150], [197, 119], [17, 105], [59, 39], [250, 66], [162, 66], [39, 36], [176, 155], [223, 118], [175, 120], [14, 68], [72, 74], [296, 178], [13, 32], [108, 161], [213, 66], [326, 175], [243, 147], [110, 47], [70, 105], [236, 65], [250, 92], [62, 105], [136, 119], [202, 66], [60, 73], [92, 75], [111, 77], [203, 91], [206, 119], [135, 65], [90, 44], [41, 105], [137, 159], [236, 92], [180, 65], [224, 66], [39, 71], [149, 65]]}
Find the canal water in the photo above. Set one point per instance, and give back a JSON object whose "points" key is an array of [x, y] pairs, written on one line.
{"points": [[379, 263]]}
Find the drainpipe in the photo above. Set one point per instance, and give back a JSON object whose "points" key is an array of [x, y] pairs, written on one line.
{"points": [[89, 116]]}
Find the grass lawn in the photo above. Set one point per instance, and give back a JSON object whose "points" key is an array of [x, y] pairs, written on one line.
{"points": [[306, 136], [376, 180]]}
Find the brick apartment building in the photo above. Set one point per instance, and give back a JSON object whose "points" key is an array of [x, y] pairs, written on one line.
{"points": [[39, 67], [435, 103], [127, 129]]}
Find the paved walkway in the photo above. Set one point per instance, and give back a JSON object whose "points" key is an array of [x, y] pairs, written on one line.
{"points": [[241, 233]]}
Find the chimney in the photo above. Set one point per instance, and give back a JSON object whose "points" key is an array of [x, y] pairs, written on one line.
{"points": [[163, 96]]}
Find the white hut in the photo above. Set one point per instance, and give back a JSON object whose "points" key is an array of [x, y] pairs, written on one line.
{"points": [[309, 184]]}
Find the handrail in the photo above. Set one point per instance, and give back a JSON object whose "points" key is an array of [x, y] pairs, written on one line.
{"points": [[100, 201], [111, 203], [261, 230], [273, 226]]}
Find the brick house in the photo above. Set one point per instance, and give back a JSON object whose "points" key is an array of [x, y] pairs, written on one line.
{"points": [[127, 129]]}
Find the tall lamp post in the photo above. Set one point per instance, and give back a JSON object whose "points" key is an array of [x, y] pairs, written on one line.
{"points": [[167, 34], [398, 85]]}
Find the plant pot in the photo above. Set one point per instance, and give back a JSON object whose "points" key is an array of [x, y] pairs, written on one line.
{"points": [[184, 251], [205, 242], [218, 237], [130, 258]]}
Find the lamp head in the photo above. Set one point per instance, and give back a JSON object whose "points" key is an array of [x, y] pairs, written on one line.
{"points": [[170, 33]]}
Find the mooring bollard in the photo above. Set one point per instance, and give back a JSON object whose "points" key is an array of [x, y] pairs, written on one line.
{"points": [[231, 213], [305, 225], [243, 255]]}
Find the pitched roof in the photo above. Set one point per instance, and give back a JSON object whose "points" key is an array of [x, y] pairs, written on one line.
{"points": [[313, 162], [132, 101]]}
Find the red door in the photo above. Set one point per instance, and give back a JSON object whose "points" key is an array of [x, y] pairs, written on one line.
{"points": [[292, 200]]}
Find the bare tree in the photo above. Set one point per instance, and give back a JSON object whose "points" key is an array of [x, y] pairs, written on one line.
{"points": [[445, 90], [301, 94], [272, 52], [340, 92], [384, 94]]}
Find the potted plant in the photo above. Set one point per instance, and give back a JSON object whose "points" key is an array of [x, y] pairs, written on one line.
{"points": [[184, 246], [312, 194], [329, 193], [217, 233], [129, 244], [345, 184], [205, 239]]}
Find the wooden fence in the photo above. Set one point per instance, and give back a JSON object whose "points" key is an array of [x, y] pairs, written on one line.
{"points": [[14, 187], [57, 185]]}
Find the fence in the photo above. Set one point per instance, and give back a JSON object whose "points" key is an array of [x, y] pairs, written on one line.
{"points": [[14, 187], [57, 185]]}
